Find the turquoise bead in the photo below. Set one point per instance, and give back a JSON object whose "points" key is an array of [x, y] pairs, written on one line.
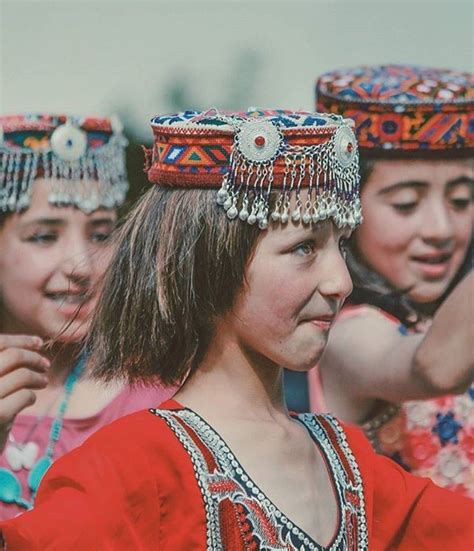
{"points": [[10, 488], [37, 473]]}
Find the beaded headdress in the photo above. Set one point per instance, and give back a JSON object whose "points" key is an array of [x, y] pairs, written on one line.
{"points": [[398, 107], [248, 155], [67, 150]]}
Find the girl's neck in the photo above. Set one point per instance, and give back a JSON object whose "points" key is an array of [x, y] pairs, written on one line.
{"points": [[62, 357], [236, 383]]}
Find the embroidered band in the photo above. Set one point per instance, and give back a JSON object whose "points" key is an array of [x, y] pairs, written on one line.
{"points": [[402, 107], [248, 155], [66, 150]]}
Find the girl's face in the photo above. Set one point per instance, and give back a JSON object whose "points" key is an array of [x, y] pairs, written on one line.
{"points": [[297, 281], [50, 263], [417, 223]]}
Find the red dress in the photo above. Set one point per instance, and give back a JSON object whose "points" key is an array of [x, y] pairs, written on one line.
{"points": [[165, 480], [74, 432]]}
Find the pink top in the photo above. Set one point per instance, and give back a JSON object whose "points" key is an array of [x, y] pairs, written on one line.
{"points": [[75, 431], [431, 438]]}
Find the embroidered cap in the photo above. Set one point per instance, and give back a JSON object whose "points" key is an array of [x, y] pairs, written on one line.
{"points": [[246, 155], [67, 150], [403, 107]]}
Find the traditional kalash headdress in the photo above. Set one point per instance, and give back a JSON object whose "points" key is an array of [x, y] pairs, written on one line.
{"points": [[67, 150], [404, 108], [248, 155]]}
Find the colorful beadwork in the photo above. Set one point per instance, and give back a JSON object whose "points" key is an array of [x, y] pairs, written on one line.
{"points": [[402, 107], [66, 150], [250, 154]]}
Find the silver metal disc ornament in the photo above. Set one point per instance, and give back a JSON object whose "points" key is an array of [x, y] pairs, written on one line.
{"points": [[259, 141], [68, 142], [345, 145]]}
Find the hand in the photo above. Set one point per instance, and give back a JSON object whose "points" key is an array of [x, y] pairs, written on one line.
{"points": [[22, 370]]}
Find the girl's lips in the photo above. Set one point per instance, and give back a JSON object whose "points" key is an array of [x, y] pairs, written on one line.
{"points": [[433, 258], [323, 323], [433, 266], [71, 304]]}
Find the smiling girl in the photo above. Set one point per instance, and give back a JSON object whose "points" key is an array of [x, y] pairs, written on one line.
{"points": [[61, 181], [399, 361], [218, 298]]}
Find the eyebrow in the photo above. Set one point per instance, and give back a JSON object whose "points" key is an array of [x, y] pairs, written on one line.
{"points": [[462, 180], [420, 184], [57, 222], [101, 221], [46, 221], [416, 184]]}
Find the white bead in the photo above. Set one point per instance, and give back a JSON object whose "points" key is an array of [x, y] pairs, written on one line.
{"points": [[243, 215], [221, 196], [296, 216], [275, 216], [232, 212]]}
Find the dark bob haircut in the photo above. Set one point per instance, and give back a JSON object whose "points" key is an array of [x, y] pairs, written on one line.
{"points": [[178, 265]]}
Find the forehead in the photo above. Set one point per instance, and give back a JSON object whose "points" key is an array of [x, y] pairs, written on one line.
{"points": [[40, 208], [42, 187], [278, 234], [431, 172]]}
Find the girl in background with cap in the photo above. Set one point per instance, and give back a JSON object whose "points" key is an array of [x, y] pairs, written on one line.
{"points": [[400, 360], [61, 181], [221, 303]]}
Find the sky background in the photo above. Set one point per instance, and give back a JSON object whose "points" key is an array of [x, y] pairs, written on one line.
{"points": [[139, 58]]}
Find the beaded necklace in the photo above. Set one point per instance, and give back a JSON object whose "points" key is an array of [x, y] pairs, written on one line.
{"points": [[10, 486]]}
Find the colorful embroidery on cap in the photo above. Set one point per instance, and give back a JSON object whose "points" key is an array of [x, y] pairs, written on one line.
{"points": [[402, 107], [249, 155]]}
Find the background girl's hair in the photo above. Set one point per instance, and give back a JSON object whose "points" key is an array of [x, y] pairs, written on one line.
{"points": [[178, 264]]}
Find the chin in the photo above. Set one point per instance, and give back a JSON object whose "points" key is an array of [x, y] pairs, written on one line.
{"points": [[306, 363], [428, 292], [66, 333]]}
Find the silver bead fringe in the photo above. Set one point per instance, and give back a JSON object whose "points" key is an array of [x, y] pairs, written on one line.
{"points": [[329, 170], [19, 168]]}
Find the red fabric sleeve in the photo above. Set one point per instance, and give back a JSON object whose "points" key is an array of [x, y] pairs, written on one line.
{"points": [[130, 486], [87, 501], [409, 513]]}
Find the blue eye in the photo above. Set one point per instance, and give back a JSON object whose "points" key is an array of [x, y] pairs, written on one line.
{"points": [[304, 249], [100, 237]]}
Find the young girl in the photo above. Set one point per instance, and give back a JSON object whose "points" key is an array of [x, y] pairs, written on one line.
{"points": [[221, 296], [387, 367], [61, 180]]}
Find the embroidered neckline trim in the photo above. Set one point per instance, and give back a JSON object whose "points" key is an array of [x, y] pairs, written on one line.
{"points": [[230, 466]]}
